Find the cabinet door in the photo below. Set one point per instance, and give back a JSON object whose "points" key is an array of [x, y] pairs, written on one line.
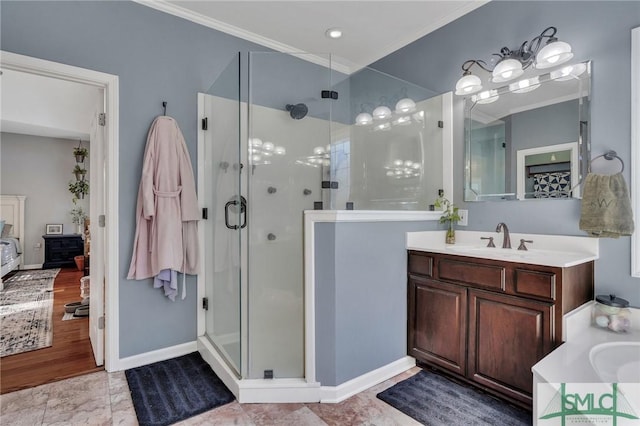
{"points": [[437, 323], [507, 336]]}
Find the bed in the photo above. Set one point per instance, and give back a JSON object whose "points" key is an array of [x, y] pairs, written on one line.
{"points": [[12, 214]]}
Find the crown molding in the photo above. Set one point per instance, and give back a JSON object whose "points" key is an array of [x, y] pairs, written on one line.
{"points": [[198, 18]]}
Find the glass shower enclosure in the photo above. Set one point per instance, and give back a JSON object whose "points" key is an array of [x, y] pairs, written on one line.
{"points": [[278, 136]]}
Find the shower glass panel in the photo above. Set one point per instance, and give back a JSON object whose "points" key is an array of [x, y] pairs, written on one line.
{"points": [[227, 213], [288, 142], [385, 159]]}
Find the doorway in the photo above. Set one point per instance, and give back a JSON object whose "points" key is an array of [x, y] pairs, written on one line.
{"points": [[103, 227]]}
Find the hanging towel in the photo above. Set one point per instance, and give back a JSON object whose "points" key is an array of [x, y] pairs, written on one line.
{"points": [[167, 208], [168, 280], [606, 207]]}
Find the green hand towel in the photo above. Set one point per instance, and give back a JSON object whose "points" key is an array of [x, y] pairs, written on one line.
{"points": [[606, 207]]}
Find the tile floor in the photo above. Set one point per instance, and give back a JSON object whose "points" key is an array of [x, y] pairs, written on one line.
{"points": [[103, 399]]}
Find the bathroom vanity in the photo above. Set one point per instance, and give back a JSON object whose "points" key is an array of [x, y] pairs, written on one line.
{"points": [[487, 315]]}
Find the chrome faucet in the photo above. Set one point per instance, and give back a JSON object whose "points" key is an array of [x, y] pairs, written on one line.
{"points": [[506, 241]]}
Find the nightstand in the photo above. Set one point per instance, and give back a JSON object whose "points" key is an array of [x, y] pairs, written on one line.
{"points": [[59, 250]]}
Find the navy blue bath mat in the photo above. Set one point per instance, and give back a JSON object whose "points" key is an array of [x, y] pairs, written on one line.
{"points": [[169, 391], [434, 400]]}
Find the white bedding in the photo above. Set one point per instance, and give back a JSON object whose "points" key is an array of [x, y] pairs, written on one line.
{"points": [[9, 254]]}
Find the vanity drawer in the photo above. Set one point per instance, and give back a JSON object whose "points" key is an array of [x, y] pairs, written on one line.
{"points": [[538, 284], [420, 264], [474, 274]]}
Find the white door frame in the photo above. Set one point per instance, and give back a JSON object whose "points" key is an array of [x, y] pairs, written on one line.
{"points": [[109, 83]]}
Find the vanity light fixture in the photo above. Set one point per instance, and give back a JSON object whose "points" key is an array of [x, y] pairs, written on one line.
{"points": [[486, 97], [405, 107], [260, 151], [512, 63]]}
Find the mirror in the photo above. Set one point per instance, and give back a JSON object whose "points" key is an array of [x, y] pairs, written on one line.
{"points": [[527, 140]]}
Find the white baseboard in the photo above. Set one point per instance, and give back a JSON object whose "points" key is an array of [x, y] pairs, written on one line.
{"points": [[278, 391], [270, 391], [32, 266], [335, 394], [155, 356]]}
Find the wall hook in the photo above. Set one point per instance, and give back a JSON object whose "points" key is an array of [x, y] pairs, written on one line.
{"points": [[164, 107]]}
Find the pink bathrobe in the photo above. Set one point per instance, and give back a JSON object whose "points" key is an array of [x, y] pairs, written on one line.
{"points": [[167, 210]]}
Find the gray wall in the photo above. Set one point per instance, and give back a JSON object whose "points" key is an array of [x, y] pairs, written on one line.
{"points": [[598, 31], [40, 168], [158, 58], [361, 297]]}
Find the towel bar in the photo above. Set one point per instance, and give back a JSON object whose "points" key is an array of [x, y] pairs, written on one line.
{"points": [[609, 155]]}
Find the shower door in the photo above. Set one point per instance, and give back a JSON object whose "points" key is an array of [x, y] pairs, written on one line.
{"points": [[221, 163], [288, 142]]}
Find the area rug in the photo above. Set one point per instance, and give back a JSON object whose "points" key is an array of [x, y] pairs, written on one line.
{"points": [[26, 309], [434, 400], [33, 274], [169, 391]]}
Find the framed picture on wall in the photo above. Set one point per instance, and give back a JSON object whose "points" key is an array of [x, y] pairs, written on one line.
{"points": [[54, 229]]}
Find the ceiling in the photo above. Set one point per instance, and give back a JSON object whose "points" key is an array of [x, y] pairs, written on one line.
{"points": [[371, 29]]}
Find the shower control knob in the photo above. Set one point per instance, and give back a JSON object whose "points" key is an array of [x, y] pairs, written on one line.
{"points": [[306, 191], [271, 237], [271, 190]]}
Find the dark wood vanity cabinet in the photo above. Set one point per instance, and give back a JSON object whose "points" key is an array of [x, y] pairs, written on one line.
{"points": [[488, 321]]}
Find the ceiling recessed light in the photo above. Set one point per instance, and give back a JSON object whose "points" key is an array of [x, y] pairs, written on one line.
{"points": [[333, 33]]}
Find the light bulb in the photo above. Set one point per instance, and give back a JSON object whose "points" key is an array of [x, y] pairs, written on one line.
{"points": [[554, 53], [568, 72], [280, 150], [408, 163], [416, 166], [486, 97], [333, 33], [363, 119], [268, 146], [468, 84], [526, 85], [402, 121], [398, 163], [405, 105], [506, 70], [381, 113]]}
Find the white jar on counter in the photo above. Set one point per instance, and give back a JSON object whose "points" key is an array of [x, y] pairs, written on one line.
{"points": [[611, 312]]}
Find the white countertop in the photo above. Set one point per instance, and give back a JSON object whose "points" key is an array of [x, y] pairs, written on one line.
{"points": [[549, 250]]}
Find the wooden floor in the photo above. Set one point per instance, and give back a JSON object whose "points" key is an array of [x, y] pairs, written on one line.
{"points": [[71, 353]]}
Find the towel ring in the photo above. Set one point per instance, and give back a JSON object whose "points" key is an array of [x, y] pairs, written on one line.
{"points": [[609, 155]]}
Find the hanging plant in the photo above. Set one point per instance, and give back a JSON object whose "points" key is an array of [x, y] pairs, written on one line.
{"points": [[79, 189], [80, 153], [80, 172]]}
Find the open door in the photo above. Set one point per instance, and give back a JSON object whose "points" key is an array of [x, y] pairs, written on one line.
{"points": [[97, 163]]}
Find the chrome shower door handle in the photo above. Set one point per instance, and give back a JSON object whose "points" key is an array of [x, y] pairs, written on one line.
{"points": [[226, 214]]}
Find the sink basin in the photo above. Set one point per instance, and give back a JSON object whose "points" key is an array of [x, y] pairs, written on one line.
{"points": [[616, 362]]}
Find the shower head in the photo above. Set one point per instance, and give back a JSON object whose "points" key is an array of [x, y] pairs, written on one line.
{"points": [[297, 111]]}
